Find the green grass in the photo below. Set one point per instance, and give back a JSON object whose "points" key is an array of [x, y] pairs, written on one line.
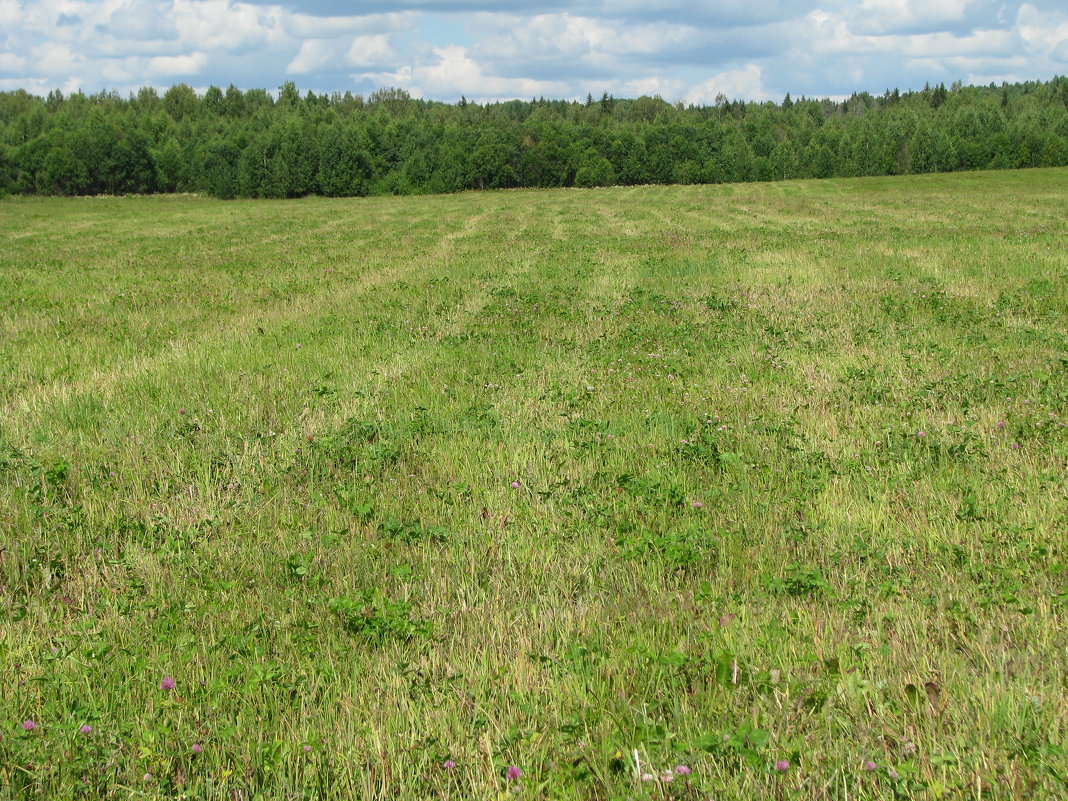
{"points": [[267, 449]]}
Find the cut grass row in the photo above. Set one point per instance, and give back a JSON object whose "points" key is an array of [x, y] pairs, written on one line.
{"points": [[723, 477]]}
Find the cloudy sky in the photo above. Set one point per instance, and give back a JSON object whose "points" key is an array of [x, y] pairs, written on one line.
{"points": [[687, 50]]}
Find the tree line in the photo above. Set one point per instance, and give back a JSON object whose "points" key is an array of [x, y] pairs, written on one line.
{"points": [[232, 143]]}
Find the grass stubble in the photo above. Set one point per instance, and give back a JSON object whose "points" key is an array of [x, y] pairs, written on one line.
{"points": [[745, 491]]}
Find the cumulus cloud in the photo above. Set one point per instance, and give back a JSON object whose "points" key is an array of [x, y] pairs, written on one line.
{"points": [[333, 8], [574, 36], [581, 50], [889, 16], [189, 64], [652, 86], [1000, 46], [707, 12], [11, 63], [59, 57], [830, 34], [315, 55], [688, 50], [453, 72], [569, 37], [302, 25], [136, 19], [747, 82], [318, 56], [229, 27], [370, 51], [1045, 33]]}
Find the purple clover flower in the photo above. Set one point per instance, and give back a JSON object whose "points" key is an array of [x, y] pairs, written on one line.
{"points": [[28, 725], [782, 766], [513, 772], [167, 683]]}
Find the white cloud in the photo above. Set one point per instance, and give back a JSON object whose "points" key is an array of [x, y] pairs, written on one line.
{"points": [[444, 49], [333, 55], [370, 51], [118, 73], [667, 88], [1023, 47], [10, 13], [1045, 34], [59, 58], [719, 12], [303, 26], [315, 55], [649, 39], [39, 86], [831, 34], [9, 62], [141, 19], [218, 25], [884, 16], [747, 82], [189, 64], [987, 43], [573, 36], [556, 35], [455, 73]]}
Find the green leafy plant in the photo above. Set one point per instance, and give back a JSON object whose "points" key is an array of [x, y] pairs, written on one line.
{"points": [[378, 618]]}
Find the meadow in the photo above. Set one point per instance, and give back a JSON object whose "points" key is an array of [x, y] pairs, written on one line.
{"points": [[736, 491]]}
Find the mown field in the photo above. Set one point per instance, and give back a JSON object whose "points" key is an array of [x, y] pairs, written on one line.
{"points": [[750, 491]]}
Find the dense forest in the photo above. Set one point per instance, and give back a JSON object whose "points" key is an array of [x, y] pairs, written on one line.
{"points": [[233, 143]]}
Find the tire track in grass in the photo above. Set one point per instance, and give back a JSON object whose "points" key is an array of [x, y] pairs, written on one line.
{"points": [[26, 409], [505, 453], [399, 374], [385, 369], [181, 311]]}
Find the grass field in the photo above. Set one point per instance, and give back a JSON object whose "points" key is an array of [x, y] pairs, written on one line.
{"points": [[723, 492]]}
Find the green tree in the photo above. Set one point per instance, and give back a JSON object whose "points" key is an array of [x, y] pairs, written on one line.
{"points": [[180, 102], [344, 163], [130, 166], [784, 160], [63, 173], [213, 102], [7, 171], [494, 160], [594, 170], [219, 161], [171, 168]]}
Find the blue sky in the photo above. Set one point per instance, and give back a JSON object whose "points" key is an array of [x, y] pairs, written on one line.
{"points": [[489, 50]]}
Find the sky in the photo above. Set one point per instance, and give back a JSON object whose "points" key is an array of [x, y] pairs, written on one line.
{"points": [[486, 50]]}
